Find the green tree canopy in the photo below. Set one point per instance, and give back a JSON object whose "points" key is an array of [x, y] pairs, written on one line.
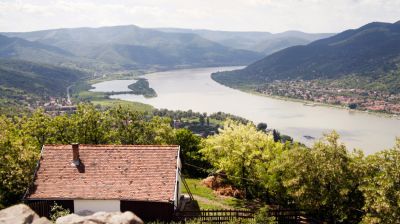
{"points": [[240, 150], [194, 164], [18, 156], [320, 178], [381, 187]]}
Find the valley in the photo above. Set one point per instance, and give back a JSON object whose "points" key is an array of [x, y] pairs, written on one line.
{"points": [[193, 89], [200, 111], [81, 57]]}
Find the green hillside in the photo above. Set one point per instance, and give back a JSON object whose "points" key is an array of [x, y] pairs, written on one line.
{"points": [[24, 83], [37, 78], [21, 49], [371, 52]]}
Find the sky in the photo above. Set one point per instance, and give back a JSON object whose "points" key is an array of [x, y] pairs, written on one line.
{"points": [[274, 16]]}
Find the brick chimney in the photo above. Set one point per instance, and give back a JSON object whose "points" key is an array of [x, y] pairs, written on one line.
{"points": [[75, 154]]}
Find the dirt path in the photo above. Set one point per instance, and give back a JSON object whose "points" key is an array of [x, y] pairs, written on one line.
{"points": [[211, 202]]}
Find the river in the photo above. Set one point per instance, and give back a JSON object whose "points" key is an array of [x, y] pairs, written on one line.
{"points": [[194, 89]]}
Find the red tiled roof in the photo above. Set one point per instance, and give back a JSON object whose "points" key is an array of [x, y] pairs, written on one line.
{"points": [[125, 172]]}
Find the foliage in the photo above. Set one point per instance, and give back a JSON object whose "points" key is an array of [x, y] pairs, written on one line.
{"points": [[18, 156], [262, 126], [191, 158], [320, 178], [242, 152], [262, 216], [340, 186], [37, 126], [22, 138], [58, 211], [91, 124], [37, 79], [381, 187], [189, 114], [141, 87], [199, 123]]}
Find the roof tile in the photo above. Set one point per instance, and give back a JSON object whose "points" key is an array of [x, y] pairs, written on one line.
{"points": [[125, 172]]}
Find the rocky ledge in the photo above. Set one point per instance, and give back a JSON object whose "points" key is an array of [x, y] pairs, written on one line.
{"points": [[22, 214]]}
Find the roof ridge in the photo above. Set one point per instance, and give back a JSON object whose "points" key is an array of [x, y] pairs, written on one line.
{"points": [[119, 145], [112, 147]]}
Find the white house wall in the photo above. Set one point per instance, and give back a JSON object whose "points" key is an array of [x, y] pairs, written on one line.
{"points": [[80, 206], [178, 190]]}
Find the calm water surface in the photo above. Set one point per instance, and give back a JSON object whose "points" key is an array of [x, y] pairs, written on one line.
{"points": [[194, 89]]}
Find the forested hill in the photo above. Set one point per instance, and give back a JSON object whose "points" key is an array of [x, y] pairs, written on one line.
{"points": [[13, 47], [130, 47], [36, 79], [263, 42], [372, 50]]}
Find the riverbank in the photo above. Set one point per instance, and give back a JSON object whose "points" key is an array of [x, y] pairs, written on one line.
{"points": [[81, 92], [193, 89], [318, 104], [309, 102]]}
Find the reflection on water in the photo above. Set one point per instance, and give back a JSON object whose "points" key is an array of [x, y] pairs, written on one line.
{"points": [[194, 89]]}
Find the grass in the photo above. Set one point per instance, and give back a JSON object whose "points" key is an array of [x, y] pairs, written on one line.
{"points": [[135, 105], [197, 188], [80, 92], [209, 199]]}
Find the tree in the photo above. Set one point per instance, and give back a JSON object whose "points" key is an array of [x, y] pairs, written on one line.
{"points": [[190, 156], [61, 130], [201, 120], [90, 125], [37, 126], [18, 156], [276, 135], [239, 150], [129, 126], [321, 178], [159, 131], [381, 187], [262, 127]]}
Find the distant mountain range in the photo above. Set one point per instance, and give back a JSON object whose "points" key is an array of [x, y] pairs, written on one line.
{"points": [[43, 63], [263, 42], [372, 50], [131, 47]]}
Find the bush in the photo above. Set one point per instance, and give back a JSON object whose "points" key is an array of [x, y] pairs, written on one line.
{"points": [[58, 211], [262, 216]]}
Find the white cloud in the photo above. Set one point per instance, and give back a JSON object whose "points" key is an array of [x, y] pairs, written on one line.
{"points": [[262, 15]]}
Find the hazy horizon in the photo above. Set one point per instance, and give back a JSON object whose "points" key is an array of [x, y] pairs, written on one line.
{"points": [[312, 16]]}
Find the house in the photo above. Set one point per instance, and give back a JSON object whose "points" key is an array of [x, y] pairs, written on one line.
{"points": [[143, 179]]}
